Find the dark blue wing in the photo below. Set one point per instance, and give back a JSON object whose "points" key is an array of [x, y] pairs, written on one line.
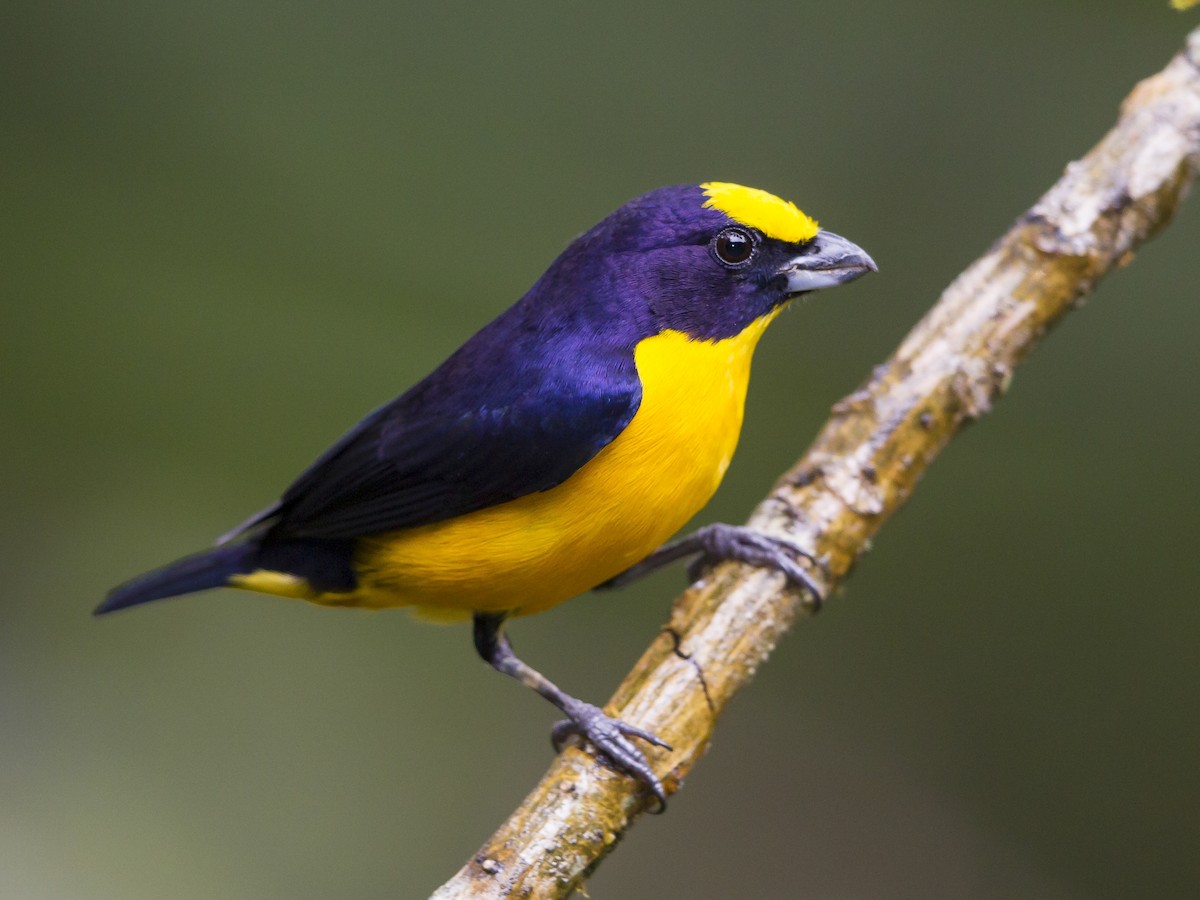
{"points": [[476, 433]]}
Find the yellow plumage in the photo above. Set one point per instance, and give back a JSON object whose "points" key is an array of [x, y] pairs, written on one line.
{"points": [[773, 216], [539, 550]]}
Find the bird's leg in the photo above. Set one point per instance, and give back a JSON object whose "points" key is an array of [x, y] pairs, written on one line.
{"points": [[719, 542], [609, 736]]}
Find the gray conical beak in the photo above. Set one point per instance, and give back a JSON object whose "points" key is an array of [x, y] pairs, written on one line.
{"points": [[828, 260]]}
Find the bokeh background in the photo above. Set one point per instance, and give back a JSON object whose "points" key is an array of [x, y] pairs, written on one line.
{"points": [[230, 229]]}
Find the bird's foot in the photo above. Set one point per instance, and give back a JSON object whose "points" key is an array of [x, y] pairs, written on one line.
{"points": [[611, 738], [720, 542]]}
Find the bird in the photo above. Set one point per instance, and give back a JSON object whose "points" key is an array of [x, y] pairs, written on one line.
{"points": [[558, 449]]}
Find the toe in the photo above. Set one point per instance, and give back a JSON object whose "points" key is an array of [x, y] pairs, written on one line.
{"points": [[648, 736], [611, 738]]}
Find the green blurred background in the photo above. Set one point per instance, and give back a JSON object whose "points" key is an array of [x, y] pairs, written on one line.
{"points": [[230, 229]]}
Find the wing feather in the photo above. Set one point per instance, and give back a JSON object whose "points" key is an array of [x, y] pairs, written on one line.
{"points": [[421, 459]]}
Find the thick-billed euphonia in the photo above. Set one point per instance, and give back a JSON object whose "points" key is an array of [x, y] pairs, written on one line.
{"points": [[558, 447]]}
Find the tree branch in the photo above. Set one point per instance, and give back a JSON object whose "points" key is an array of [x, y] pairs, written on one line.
{"points": [[862, 467]]}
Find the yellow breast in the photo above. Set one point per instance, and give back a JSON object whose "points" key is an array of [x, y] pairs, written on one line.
{"points": [[534, 552]]}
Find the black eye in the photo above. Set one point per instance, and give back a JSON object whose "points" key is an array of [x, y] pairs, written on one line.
{"points": [[733, 246]]}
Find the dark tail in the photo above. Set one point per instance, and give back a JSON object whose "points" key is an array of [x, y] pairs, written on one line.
{"points": [[209, 569]]}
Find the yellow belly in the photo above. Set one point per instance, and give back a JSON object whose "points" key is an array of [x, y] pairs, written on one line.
{"points": [[531, 553]]}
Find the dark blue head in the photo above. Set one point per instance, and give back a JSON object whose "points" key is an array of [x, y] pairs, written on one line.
{"points": [[705, 260]]}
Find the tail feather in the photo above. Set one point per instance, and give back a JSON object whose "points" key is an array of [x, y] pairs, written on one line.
{"points": [[209, 569]]}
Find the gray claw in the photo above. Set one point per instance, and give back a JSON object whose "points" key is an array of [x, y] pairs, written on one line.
{"points": [[718, 542], [721, 542], [610, 737]]}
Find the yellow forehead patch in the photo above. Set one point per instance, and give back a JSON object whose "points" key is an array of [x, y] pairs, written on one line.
{"points": [[753, 208]]}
